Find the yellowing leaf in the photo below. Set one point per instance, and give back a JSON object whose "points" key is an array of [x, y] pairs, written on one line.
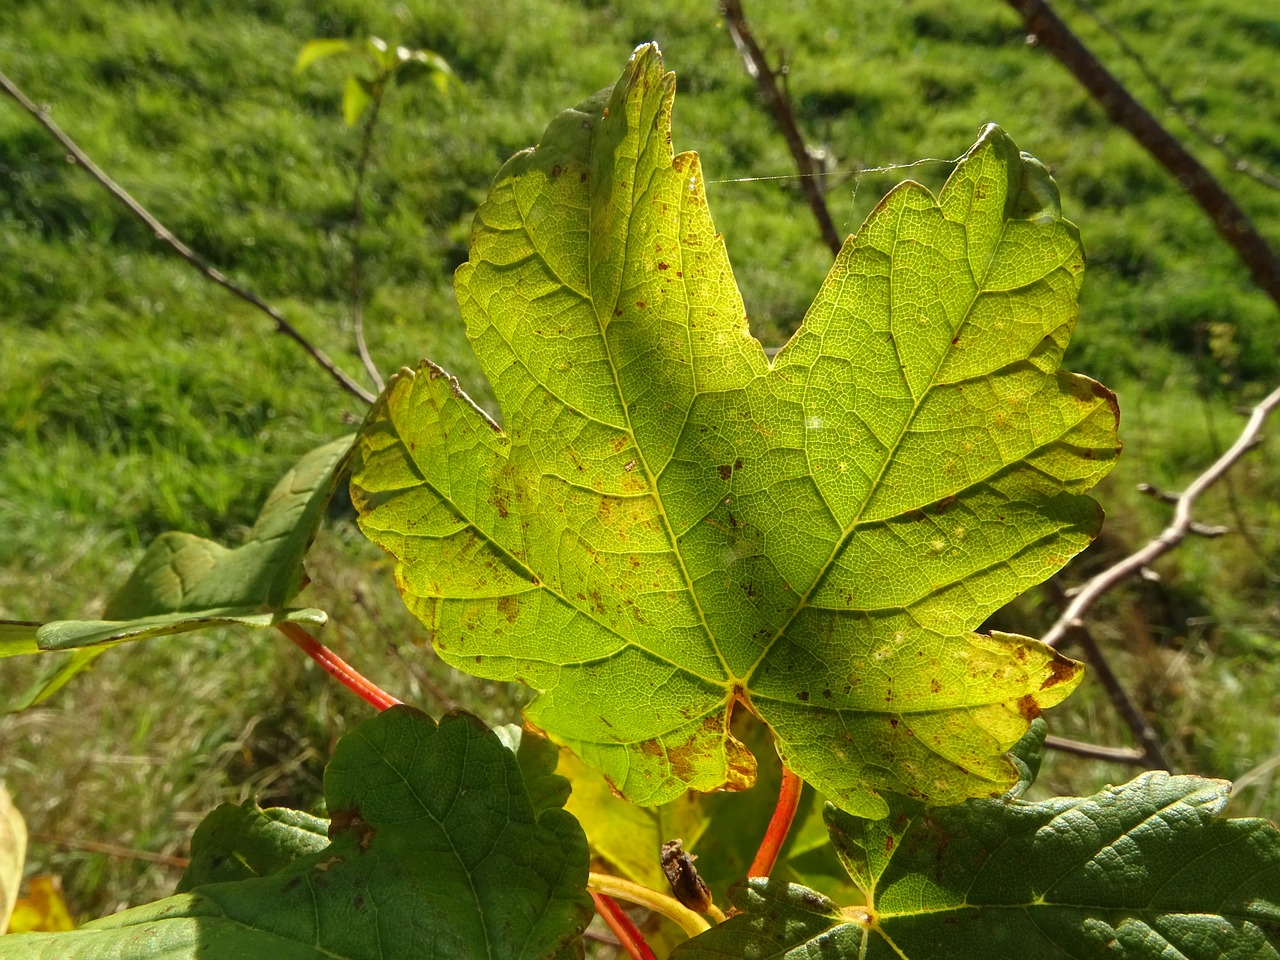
{"points": [[669, 525], [13, 854], [43, 909]]}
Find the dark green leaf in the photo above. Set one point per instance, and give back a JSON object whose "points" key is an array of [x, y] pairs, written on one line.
{"points": [[241, 842], [436, 851], [1144, 870]]}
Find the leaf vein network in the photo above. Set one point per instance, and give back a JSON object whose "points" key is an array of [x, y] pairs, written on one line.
{"points": [[630, 429], [846, 535]]}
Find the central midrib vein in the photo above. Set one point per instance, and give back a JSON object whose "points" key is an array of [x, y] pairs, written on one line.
{"points": [[845, 536], [652, 480]]}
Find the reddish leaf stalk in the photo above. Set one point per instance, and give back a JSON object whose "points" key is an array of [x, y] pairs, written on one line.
{"points": [[347, 675], [629, 936], [779, 825]]}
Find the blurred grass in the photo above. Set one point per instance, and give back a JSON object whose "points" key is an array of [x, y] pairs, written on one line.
{"points": [[136, 398]]}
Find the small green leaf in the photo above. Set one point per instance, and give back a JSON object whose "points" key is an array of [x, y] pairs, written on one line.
{"points": [[1144, 870], [670, 526], [239, 842], [1026, 755], [436, 851], [419, 63], [184, 582], [355, 99], [537, 757], [314, 50], [18, 638], [57, 674]]}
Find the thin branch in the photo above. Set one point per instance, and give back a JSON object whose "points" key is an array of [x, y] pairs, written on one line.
{"points": [[1232, 224], [347, 675], [1150, 748], [1094, 751], [629, 936], [162, 233], [1233, 502], [357, 255], [112, 850], [779, 825], [1214, 141], [778, 102], [1172, 535]]}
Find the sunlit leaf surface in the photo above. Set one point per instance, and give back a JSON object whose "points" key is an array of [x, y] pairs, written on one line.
{"points": [[668, 525]]}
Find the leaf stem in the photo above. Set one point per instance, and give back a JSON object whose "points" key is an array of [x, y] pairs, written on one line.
{"points": [[629, 936], [779, 824], [610, 886], [347, 675]]}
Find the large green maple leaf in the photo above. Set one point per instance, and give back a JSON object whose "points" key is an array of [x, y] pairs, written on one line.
{"points": [[670, 525]]}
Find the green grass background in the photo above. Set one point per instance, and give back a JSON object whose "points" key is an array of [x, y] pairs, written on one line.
{"points": [[136, 398]]}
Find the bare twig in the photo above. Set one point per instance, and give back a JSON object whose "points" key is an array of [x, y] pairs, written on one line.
{"points": [[357, 255], [1233, 503], [111, 850], [1172, 535], [162, 233], [1151, 751], [1094, 751], [778, 102], [1232, 224], [1215, 141]]}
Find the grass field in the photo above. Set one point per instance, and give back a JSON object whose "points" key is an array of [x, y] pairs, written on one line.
{"points": [[135, 398]]}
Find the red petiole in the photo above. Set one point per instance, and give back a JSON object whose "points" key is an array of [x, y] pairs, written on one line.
{"points": [[628, 934], [347, 675], [779, 825]]}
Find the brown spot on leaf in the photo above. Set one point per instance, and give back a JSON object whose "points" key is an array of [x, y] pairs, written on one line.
{"points": [[888, 844], [943, 505], [663, 266], [343, 821], [1060, 669], [555, 171], [725, 471], [803, 695], [935, 685], [509, 607], [1028, 707]]}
